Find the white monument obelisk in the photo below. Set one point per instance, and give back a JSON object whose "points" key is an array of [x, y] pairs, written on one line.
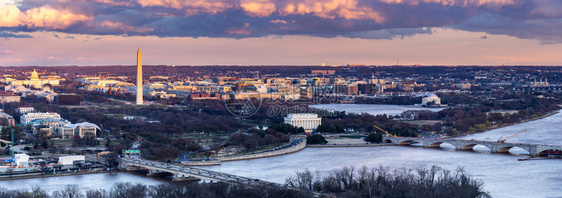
{"points": [[139, 77]]}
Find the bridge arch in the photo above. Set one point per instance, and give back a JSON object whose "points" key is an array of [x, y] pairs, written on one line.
{"points": [[409, 142], [547, 152], [467, 147], [479, 147], [435, 145], [440, 144], [507, 148], [473, 145]]}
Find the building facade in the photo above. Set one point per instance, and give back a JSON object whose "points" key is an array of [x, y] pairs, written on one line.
{"points": [[432, 98], [82, 130], [10, 97], [30, 116], [52, 125], [35, 81], [22, 160], [6, 119], [25, 109], [308, 121]]}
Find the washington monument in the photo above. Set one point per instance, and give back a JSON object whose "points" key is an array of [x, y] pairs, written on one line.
{"points": [[139, 77]]}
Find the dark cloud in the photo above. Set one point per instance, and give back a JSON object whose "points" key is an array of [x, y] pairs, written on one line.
{"points": [[484, 37], [546, 30], [12, 35], [370, 19]]}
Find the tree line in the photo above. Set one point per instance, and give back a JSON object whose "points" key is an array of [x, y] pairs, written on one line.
{"points": [[185, 190], [384, 182], [365, 122], [346, 182], [482, 114], [257, 138]]}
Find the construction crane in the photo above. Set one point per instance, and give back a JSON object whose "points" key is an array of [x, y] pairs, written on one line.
{"points": [[518, 133], [384, 131], [11, 135]]}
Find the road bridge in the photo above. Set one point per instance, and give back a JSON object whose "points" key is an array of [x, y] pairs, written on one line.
{"points": [[181, 173], [459, 144]]}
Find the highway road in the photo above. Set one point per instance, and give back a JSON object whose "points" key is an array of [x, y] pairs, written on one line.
{"points": [[200, 172], [20, 148]]}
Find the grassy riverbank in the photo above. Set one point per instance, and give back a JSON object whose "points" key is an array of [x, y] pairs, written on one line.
{"points": [[493, 127]]}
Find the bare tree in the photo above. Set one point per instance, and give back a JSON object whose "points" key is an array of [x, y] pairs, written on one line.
{"points": [[128, 190], [99, 193], [69, 191], [382, 182], [303, 180], [37, 192]]}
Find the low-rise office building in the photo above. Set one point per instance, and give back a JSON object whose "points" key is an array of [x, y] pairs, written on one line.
{"points": [[10, 97], [82, 130], [70, 160], [6, 119], [25, 109]]}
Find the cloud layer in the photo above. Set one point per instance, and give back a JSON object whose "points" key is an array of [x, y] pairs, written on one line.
{"points": [[372, 19]]}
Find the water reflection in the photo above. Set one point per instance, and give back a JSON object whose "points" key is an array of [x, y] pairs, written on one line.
{"points": [[374, 109], [503, 174], [85, 182]]}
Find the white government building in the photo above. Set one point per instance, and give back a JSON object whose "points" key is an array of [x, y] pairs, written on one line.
{"points": [[432, 98], [308, 121], [36, 81], [30, 116], [25, 109]]}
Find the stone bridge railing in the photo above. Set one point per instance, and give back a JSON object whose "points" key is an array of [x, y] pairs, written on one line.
{"points": [[495, 147], [181, 173]]}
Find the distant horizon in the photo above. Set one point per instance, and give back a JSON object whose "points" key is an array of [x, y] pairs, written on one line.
{"points": [[286, 66], [280, 32]]}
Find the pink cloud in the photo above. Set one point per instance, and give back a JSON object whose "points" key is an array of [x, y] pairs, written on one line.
{"points": [[278, 21], [45, 17], [454, 2], [258, 8], [191, 7], [373, 19], [105, 2]]}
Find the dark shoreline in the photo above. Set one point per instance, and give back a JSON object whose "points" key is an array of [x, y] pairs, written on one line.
{"points": [[43, 175]]}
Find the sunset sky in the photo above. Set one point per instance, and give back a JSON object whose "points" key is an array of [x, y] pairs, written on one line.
{"points": [[281, 32]]}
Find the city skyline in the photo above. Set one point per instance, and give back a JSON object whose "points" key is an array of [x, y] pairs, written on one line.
{"points": [[272, 32]]}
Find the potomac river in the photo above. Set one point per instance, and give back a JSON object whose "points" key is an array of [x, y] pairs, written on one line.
{"points": [[503, 175]]}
